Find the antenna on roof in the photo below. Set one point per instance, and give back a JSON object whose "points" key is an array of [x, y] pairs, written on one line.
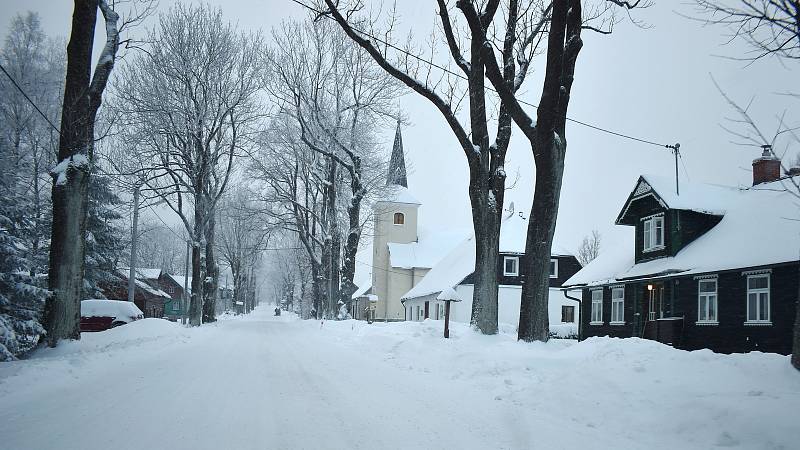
{"points": [[676, 150]]}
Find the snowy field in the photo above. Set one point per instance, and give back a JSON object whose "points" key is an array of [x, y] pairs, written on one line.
{"points": [[263, 382]]}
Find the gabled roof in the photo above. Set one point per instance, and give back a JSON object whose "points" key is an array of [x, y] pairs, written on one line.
{"points": [[460, 262], [142, 273], [703, 198], [759, 228], [180, 280], [364, 289]]}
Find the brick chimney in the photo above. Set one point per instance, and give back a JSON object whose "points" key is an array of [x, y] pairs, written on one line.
{"points": [[767, 168]]}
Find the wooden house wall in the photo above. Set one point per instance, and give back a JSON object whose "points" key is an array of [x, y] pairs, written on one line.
{"points": [[731, 335], [567, 267]]}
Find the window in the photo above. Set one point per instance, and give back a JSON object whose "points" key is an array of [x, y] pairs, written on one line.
{"points": [[653, 231], [171, 289], [418, 315], [568, 314], [511, 266], [618, 305], [707, 300], [553, 268], [758, 298], [399, 219], [597, 307]]}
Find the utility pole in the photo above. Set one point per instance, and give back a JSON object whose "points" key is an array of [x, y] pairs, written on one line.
{"points": [[676, 150], [134, 239]]}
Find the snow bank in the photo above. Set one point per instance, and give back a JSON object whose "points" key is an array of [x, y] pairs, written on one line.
{"points": [[602, 392]]}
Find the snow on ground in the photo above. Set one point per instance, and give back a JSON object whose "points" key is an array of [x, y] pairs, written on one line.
{"points": [[264, 382]]}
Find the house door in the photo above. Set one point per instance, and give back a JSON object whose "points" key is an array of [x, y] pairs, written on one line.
{"points": [[654, 306]]}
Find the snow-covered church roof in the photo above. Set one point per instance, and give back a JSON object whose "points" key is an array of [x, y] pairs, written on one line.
{"points": [[758, 227], [460, 262]]}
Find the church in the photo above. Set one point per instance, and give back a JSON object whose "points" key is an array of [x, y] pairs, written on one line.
{"points": [[412, 266]]}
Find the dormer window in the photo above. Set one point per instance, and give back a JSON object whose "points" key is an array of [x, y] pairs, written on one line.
{"points": [[554, 268], [399, 218], [653, 230], [511, 266]]}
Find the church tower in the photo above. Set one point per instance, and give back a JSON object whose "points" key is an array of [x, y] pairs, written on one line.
{"points": [[395, 216]]}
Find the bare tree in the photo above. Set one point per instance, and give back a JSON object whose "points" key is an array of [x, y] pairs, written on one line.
{"points": [[242, 237], [590, 248], [193, 97], [558, 23], [771, 27], [82, 98], [337, 96]]}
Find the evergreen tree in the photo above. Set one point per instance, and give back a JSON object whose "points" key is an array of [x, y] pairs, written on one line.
{"points": [[21, 300], [104, 236]]}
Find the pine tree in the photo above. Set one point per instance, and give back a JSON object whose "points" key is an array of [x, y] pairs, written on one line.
{"points": [[104, 246], [21, 300]]}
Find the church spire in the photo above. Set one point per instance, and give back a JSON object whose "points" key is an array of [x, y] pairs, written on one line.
{"points": [[397, 164]]}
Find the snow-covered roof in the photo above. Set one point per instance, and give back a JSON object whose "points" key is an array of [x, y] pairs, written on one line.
{"points": [[698, 197], [427, 251], [362, 290], [151, 290], [398, 194], [460, 262], [758, 228], [182, 281], [449, 294], [142, 273]]}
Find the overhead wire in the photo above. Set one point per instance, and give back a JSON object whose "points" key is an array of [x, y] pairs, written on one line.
{"points": [[24, 94], [463, 77]]}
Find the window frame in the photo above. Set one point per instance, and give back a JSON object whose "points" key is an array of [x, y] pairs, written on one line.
{"points": [[596, 301], [619, 303], [564, 309], [554, 266], [651, 233], [402, 217], [706, 295], [758, 292], [515, 273]]}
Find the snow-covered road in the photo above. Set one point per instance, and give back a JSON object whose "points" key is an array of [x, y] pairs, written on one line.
{"points": [[262, 382]]}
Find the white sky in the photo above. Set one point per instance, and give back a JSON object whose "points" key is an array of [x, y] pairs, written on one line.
{"points": [[652, 83]]}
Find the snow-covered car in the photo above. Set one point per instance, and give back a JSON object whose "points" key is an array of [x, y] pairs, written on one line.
{"points": [[100, 315]]}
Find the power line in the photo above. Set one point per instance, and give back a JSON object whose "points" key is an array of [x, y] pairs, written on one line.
{"points": [[463, 77], [19, 88]]}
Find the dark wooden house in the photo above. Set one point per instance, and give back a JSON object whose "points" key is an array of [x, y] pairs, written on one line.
{"points": [[147, 295], [710, 267]]}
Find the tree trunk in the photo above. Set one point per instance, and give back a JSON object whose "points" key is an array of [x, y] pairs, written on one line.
{"points": [[212, 276], [198, 270], [70, 189], [533, 319], [348, 286], [487, 232]]}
